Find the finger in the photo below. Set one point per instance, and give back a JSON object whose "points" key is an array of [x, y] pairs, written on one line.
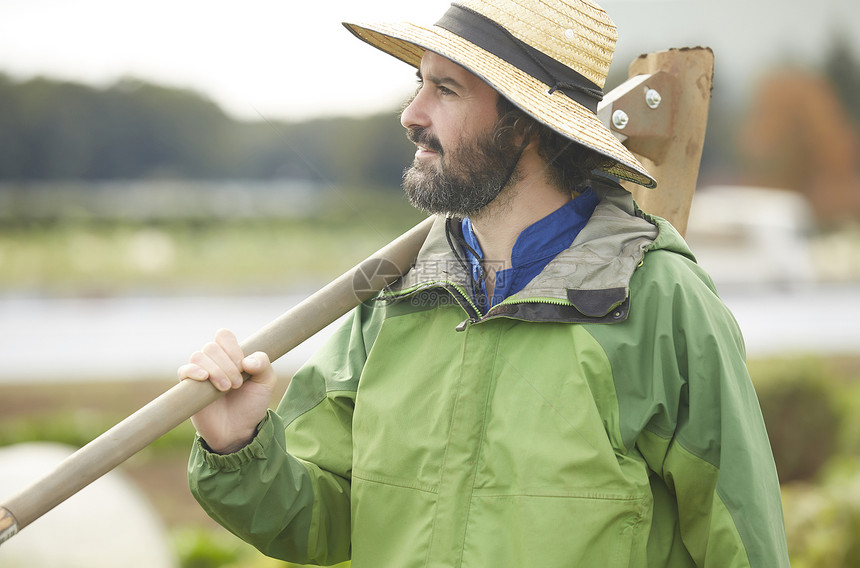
{"points": [[217, 374], [231, 365], [192, 371], [228, 342]]}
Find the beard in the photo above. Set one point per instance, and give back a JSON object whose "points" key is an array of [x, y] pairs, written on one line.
{"points": [[465, 179]]}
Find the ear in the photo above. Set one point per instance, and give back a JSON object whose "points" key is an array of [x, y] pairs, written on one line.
{"points": [[526, 134], [525, 131], [529, 139], [517, 128]]}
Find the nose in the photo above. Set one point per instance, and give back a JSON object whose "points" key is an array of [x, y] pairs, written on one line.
{"points": [[414, 114]]}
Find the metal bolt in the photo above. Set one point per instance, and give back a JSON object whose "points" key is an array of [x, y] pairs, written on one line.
{"points": [[653, 98], [620, 119]]}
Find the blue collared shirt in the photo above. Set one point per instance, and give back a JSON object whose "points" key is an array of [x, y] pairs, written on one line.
{"points": [[535, 247]]}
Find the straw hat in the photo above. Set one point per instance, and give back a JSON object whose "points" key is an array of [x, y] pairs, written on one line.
{"points": [[548, 57]]}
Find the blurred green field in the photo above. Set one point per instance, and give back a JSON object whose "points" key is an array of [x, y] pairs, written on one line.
{"points": [[79, 256]]}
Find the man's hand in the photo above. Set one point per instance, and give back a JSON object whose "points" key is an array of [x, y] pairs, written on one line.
{"points": [[230, 423]]}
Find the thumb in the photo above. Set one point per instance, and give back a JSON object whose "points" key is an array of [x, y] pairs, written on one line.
{"points": [[259, 367]]}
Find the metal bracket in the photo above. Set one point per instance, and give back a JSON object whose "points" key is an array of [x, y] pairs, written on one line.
{"points": [[641, 113]]}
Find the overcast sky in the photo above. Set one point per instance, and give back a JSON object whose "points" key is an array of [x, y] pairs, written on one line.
{"points": [[270, 58]]}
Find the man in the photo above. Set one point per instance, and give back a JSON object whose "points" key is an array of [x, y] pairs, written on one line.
{"points": [[555, 383]]}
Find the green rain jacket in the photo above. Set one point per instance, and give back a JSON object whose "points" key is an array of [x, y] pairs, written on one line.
{"points": [[603, 416]]}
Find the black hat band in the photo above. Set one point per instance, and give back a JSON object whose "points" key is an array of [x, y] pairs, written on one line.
{"points": [[494, 38]]}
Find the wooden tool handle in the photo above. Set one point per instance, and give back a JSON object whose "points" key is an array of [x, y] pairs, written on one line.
{"points": [[188, 397], [664, 109]]}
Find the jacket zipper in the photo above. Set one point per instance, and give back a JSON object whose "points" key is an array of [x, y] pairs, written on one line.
{"points": [[473, 312], [462, 297], [458, 293], [476, 317]]}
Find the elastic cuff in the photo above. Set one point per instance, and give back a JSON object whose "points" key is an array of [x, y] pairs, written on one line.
{"points": [[256, 449]]}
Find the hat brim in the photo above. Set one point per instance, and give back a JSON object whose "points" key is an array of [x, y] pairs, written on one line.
{"points": [[408, 42]]}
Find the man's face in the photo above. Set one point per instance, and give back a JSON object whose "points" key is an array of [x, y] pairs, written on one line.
{"points": [[458, 167]]}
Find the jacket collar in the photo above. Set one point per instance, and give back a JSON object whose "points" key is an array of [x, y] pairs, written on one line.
{"points": [[592, 275]]}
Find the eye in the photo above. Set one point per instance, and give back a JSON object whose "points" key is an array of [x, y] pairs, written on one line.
{"points": [[445, 91]]}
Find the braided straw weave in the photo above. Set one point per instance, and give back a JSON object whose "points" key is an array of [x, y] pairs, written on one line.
{"points": [[577, 33]]}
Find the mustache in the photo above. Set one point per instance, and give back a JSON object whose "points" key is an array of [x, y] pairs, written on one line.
{"points": [[419, 135]]}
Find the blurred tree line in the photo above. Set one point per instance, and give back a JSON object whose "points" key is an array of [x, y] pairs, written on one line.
{"points": [[802, 133], [59, 130], [798, 132]]}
